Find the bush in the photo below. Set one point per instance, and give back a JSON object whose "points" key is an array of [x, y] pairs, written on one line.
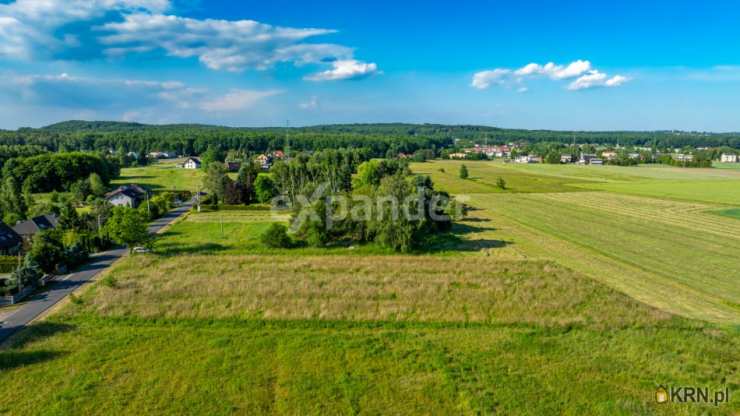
{"points": [[8, 264], [501, 183], [464, 172], [277, 236]]}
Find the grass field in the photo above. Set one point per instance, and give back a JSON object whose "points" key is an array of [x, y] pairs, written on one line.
{"points": [[551, 298], [163, 175]]}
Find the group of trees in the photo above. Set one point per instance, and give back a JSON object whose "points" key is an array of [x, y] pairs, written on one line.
{"points": [[249, 187], [58, 171], [384, 204]]}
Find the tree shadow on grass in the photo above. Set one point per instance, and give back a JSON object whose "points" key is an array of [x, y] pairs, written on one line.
{"points": [[175, 249], [456, 240], [11, 358]]}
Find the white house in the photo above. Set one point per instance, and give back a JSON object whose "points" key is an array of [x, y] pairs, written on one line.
{"points": [[126, 196], [191, 163], [728, 158]]}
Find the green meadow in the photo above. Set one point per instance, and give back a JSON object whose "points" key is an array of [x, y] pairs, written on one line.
{"points": [[162, 175], [572, 291]]}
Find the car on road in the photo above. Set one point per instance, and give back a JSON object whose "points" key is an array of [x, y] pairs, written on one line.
{"points": [[141, 250]]}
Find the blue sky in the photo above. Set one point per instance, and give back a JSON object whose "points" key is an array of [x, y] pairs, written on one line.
{"points": [[541, 64]]}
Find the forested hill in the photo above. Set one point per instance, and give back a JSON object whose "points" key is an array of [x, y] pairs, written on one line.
{"points": [[184, 138]]}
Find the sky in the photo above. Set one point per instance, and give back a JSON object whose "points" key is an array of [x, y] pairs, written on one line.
{"points": [[567, 65]]}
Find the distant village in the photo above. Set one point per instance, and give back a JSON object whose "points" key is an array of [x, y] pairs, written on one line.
{"points": [[591, 154]]}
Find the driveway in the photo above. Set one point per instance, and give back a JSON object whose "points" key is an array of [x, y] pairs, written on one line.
{"points": [[60, 288]]}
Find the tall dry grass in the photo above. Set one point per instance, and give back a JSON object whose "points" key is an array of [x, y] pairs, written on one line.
{"points": [[380, 288]]}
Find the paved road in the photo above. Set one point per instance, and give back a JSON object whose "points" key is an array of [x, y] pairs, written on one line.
{"points": [[58, 289]]}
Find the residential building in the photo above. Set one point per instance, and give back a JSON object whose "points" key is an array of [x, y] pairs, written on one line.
{"points": [[566, 158], [729, 158], [528, 159], [596, 162], [609, 155], [127, 196], [27, 229], [10, 241], [191, 163], [264, 161], [681, 157], [233, 166], [586, 159], [458, 155]]}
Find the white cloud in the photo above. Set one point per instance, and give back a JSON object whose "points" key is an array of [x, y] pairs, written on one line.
{"points": [[345, 69], [595, 79], [484, 79], [237, 100], [311, 104], [218, 44], [582, 70], [29, 28], [43, 29]]}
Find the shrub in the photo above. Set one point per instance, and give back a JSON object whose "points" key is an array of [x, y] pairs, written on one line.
{"points": [[501, 183], [464, 172], [277, 236]]}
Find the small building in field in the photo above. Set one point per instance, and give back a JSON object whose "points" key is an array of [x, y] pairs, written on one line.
{"points": [[458, 155], [191, 163], [127, 196], [10, 242], [566, 158], [728, 158], [27, 229], [596, 162]]}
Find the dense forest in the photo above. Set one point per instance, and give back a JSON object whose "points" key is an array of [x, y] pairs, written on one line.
{"points": [[191, 139]]}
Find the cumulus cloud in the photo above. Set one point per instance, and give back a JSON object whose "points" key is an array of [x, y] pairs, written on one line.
{"points": [[586, 76], [596, 79], [345, 69], [237, 100], [33, 28], [483, 79], [41, 29]]}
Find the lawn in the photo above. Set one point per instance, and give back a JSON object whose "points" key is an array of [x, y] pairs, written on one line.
{"points": [[163, 175]]}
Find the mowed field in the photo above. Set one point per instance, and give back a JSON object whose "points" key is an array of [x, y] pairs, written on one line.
{"points": [[672, 253], [162, 175], [550, 298]]}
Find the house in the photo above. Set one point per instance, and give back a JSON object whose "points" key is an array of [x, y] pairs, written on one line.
{"points": [[586, 159], [27, 229], [278, 154], [159, 155], [10, 241], [264, 161], [457, 155], [728, 158], [634, 156], [680, 157], [609, 155], [191, 163], [528, 159], [566, 158], [596, 162], [127, 196], [233, 166]]}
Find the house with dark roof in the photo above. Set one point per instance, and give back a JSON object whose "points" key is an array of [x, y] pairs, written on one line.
{"points": [[127, 196], [10, 241], [27, 229]]}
